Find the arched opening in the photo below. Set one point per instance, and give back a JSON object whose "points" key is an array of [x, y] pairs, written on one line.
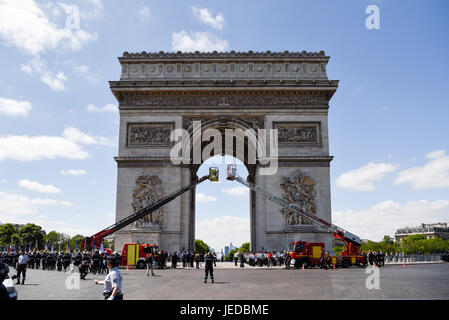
{"points": [[222, 209]]}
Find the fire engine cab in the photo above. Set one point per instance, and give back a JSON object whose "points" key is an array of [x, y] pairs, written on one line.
{"points": [[134, 254]]}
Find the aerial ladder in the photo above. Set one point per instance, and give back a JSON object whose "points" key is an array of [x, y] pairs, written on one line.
{"points": [[351, 241], [94, 242]]}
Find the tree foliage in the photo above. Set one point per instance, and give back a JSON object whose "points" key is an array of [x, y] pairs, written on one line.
{"points": [[6, 232], [201, 246], [413, 244]]}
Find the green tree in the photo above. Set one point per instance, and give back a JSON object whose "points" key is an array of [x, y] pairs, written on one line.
{"points": [[76, 239], [201, 246], [230, 255], [29, 233], [6, 232], [245, 247]]}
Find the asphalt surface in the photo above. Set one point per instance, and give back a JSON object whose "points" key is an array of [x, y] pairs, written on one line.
{"points": [[430, 281]]}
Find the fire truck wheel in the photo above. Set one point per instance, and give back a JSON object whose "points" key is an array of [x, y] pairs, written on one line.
{"points": [[345, 264], [140, 264]]}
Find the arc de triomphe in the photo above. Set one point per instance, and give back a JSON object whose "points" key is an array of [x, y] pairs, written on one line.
{"points": [[160, 92]]}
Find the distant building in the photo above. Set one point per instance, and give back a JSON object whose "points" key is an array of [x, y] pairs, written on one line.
{"points": [[430, 231], [226, 251]]}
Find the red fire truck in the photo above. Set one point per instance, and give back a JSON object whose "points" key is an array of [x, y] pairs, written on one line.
{"points": [[308, 253], [134, 254]]}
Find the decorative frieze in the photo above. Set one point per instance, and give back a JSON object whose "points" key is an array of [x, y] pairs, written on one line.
{"points": [[298, 133], [149, 134], [205, 101], [233, 65]]}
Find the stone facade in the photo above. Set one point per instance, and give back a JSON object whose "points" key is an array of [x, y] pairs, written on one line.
{"points": [[159, 92]]}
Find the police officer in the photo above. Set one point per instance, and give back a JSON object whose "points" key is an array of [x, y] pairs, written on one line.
{"points": [[66, 260], [78, 259], [32, 258], [174, 260], [59, 261], [209, 267], [96, 260], [149, 261], [37, 260], [112, 284], [21, 266]]}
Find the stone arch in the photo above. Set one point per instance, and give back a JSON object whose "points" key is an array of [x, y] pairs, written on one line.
{"points": [[160, 92]]}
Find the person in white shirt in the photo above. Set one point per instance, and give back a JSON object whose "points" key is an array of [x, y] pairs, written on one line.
{"points": [[112, 289], [22, 266]]}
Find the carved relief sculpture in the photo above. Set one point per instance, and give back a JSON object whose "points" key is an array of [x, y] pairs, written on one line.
{"points": [[299, 190], [298, 133], [147, 191], [146, 134]]}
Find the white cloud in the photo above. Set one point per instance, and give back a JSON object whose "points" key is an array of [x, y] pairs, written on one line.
{"points": [[436, 154], [144, 13], [74, 172], [25, 25], [83, 71], [55, 82], [362, 179], [39, 66], [201, 198], [386, 217], [236, 191], [217, 232], [14, 107], [434, 174], [38, 187], [75, 135], [206, 17], [81, 216], [13, 204], [26, 148], [106, 108], [201, 41]]}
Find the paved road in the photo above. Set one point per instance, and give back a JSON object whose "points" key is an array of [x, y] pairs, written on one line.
{"points": [[413, 282]]}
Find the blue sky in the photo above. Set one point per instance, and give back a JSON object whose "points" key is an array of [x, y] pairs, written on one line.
{"points": [[387, 121]]}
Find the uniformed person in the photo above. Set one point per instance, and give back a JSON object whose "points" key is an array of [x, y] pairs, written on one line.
{"points": [[209, 267], [37, 260], [22, 263], [66, 260], [112, 289], [59, 261], [96, 260], [149, 261]]}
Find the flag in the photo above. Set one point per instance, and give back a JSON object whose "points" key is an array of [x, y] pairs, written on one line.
{"points": [[76, 245], [29, 247], [101, 247], [46, 245], [52, 246], [68, 247]]}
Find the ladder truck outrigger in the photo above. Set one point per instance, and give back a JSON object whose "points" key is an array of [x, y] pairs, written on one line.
{"points": [[308, 253], [134, 254]]}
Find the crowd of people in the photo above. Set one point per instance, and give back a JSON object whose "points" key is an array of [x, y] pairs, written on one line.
{"points": [[46, 260]]}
